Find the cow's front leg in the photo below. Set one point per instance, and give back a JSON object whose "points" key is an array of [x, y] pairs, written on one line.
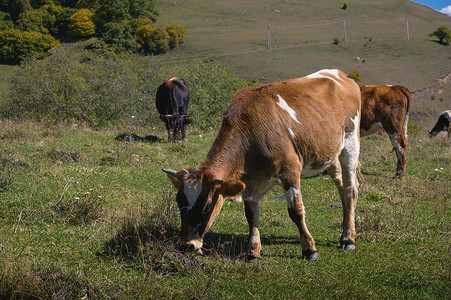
{"points": [[297, 214], [252, 212]]}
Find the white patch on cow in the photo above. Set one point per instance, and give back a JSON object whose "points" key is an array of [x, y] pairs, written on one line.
{"points": [[389, 85], [284, 105], [395, 143], [237, 199], [197, 244], [352, 147], [309, 171], [374, 128], [291, 194], [255, 237], [404, 126], [447, 114], [192, 191], [292, 133], [333, 72]]}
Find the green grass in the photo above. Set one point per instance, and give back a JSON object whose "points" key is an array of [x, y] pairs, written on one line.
{"points": [[106, 226], [85, 215]]}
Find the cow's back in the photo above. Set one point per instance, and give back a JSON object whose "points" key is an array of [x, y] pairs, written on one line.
{"points": [[306, 117], [163, 98], [381, 101]]}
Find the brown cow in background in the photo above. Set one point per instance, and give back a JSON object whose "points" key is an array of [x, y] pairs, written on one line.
{"points": [[387, 107]]}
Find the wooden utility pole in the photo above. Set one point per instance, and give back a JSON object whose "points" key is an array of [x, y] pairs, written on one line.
{"points": [[407, 28], [270, 34]]}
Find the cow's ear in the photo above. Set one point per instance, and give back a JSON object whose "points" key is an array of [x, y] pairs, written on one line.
{"points": [[175, 177], [231, 188], [187, 121]]}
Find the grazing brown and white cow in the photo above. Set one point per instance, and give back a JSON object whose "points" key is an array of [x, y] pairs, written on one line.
{"points": [[271, 135], [172, 101], [387, 107], [442, 124]]}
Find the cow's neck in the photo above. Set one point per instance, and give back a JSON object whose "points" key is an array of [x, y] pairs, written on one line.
{"points": [[226, 156]]}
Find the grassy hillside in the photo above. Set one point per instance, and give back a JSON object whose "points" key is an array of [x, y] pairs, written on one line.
{"points": [[83, 215], [236, 32]]}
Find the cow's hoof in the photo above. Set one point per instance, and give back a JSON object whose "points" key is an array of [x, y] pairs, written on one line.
{"points": [[253, 259], [347, 245], [310, 255]]}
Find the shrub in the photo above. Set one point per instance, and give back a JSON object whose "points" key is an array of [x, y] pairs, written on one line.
{"points": [[143, 35], [443, 33], [81, 24], [345, 6], [355, 75], [16, 45], [159, 41], [152, 41], [119, 37], [176, 34], [101, 90]]}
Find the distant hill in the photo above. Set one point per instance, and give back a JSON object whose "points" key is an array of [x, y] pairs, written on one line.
{"points": [[386, 41]]}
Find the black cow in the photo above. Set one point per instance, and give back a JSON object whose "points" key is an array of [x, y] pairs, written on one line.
{"points": [[442, 123], [172, 103]]}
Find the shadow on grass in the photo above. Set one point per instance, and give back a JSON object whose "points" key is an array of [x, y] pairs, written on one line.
{"points": [[160, 245], [131, 137]]}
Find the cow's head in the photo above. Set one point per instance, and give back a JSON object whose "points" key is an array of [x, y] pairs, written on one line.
{"points": [[175, 123], [200, 199], [433, 133]]}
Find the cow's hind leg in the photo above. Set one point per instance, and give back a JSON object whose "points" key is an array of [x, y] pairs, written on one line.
{"points": [[399, 143], [297, 215], [252, 213]]}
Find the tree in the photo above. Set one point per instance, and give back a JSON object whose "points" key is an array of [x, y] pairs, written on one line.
{"points": [[138, 22], [443, 33], [120, 10], [119, 37], [15, 7], [81, 24], [16, 45], [39, 20], [5, 21]]}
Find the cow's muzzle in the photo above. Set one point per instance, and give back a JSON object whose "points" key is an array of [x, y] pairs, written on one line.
{"points": [[193, 245]]}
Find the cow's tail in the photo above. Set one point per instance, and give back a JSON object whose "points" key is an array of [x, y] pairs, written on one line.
{"points": [[408, 97]]}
